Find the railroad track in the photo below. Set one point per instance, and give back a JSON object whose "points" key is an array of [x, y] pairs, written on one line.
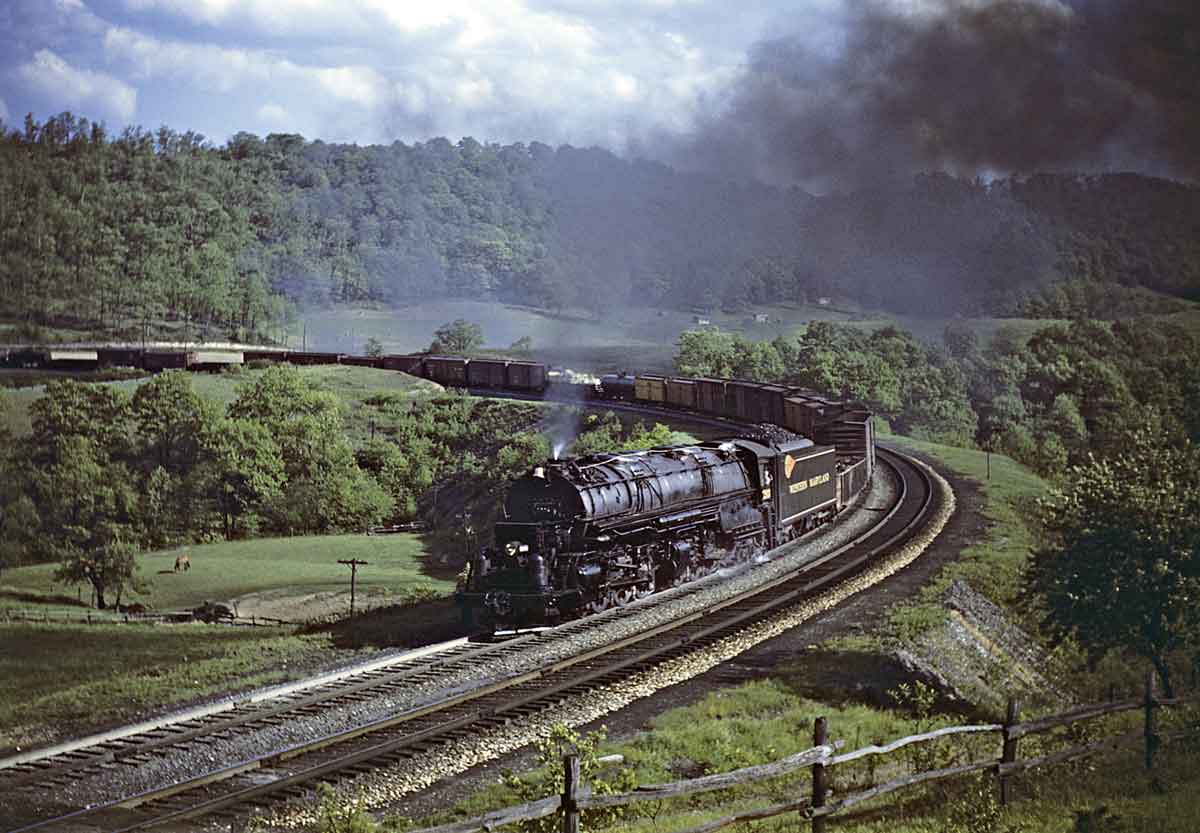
{"points": [[459, 709]]}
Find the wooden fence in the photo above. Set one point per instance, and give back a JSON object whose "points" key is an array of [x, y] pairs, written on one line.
{"points": [[820, 802]]}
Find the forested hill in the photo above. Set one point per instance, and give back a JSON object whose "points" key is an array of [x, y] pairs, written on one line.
{"points": [[143, 230]]}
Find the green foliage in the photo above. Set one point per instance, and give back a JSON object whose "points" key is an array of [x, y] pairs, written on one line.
{"points": [[973, 807], [245, 472], [335, 815], [1120, 564], [459, 337], [548, 778], [373, 347], [1098, 820], [119, 234], [161, 230]]}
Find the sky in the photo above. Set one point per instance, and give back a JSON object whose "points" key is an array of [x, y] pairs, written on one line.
{"points": [[557, 71], [822, 93]]}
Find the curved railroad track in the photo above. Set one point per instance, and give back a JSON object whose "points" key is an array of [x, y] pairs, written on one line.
{"points": [[464, 690]]}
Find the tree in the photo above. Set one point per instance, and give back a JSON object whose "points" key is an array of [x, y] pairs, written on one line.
{"points": [[87, 509], [1120, 565], [110, 564], [459, 336], [373, 347], [170, 418], [75, 409], [245, 471]]}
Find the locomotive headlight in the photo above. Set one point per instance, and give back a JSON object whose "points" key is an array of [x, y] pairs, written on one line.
{"points": [[511, 548]]}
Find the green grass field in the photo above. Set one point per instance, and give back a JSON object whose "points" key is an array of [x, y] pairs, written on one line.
{"points": [[993, 564], [283, 578]]}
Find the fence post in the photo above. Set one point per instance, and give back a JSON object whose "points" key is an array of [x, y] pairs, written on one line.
{"points": [[1009, 752], [819, 782], [570, 805], [1151, 738]]}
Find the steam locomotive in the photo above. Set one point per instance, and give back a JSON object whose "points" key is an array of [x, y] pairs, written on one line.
{"points": [[580, 536]]}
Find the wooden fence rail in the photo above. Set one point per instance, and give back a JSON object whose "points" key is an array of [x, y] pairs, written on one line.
{"points": [[822, 756]]}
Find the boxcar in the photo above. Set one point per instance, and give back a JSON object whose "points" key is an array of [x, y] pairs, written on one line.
{"points": [[487, 373], [167, 360], [681, 393], [363, 361], [309, 357], [264, 355], [70, 359], [120, 356], [216, 359], [447, 370], [650, 388], [711, 396], [803, 413], [405, 364], [758, 403], [526, 376]]}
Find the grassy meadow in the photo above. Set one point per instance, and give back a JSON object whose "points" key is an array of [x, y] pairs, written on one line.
{"points": [[992, 565], [283, 578]]}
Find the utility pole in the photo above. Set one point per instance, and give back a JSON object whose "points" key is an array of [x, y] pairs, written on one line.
{"points": [[354, 564]]}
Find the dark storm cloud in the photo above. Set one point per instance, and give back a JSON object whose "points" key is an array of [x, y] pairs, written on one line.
{"points": [[967, 87]]}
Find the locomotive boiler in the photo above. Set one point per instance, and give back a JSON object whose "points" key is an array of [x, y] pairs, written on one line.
{"points": [[580, 536]]}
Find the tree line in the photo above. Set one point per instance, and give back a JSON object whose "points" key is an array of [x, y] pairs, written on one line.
{"points": [[164, 232], [107, 473], [1108, 412], [1048, 400]]}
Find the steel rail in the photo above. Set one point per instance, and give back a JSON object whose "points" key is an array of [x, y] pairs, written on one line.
{"points": [[555, 679]]}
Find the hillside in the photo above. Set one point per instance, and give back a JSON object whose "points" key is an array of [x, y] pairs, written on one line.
{"points": [[162, 232]]}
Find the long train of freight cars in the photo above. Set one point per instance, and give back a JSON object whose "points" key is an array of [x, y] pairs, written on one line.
{"points": [[579, 536], [839, 424]]}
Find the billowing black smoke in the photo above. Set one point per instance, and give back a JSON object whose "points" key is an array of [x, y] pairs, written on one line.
{"points": [[967, 87]]}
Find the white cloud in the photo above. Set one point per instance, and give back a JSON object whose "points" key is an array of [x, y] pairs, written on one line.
{"points": [[361, 85], [61, 86], [3, 111], [501, 70], [273, 115], [623, 86]]}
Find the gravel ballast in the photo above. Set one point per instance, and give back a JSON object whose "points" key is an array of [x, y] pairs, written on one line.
{"points": [[99, 787], [384, 786]]}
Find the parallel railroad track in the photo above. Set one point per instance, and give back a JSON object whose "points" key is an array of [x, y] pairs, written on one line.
{"points": [[473, 710]]}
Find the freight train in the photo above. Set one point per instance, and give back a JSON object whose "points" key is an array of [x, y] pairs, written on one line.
{"points": [[579, 536]]}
